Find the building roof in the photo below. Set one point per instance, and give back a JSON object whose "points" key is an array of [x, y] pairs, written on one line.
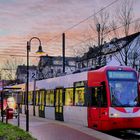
{"points": [[56, 58], [48, 60], [22, 69], [93, 52]]}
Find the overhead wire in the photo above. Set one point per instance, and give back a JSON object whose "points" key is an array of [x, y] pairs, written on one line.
{"points": [[2, 55], [138, 19], [73, 26], [81, 42]]}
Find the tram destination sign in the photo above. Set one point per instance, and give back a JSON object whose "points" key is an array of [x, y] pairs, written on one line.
{"points": [[121, 75], [79, 84]]}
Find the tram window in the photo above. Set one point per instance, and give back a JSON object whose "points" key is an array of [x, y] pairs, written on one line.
{"points": [[30, 97], [69, 97], [79, 96], [50, 98], [57, 93], [22, 94], [37, 97], [24, 97], [61, 97], [96, 99], [103, 97], [42, 95]]}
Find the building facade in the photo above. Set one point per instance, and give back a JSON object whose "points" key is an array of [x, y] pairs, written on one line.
{"points": [[21, 73], [52, 66], [119, 51]]}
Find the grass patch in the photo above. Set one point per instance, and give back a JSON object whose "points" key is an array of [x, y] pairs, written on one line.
{"points": [[10, 132]]}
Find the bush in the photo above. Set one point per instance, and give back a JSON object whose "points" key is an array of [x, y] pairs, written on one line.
{"points": [[10, 132]]}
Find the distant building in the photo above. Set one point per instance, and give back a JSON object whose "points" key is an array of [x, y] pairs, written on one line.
{"points": [[52, 66], [21, 73], [124, 51], [113, 53]]}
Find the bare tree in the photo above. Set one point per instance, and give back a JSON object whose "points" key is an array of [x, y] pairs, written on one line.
{"points": [[121, 24], [8, 70], [113, 29], [103, 19], [99, 27], [134, 54], [125, 17], [137, 26]]}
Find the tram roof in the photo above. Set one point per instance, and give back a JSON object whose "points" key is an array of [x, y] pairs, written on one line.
{"points": [[68, 80]]}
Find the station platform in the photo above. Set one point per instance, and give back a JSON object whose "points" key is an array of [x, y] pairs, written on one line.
{"points": [[44, 129]]}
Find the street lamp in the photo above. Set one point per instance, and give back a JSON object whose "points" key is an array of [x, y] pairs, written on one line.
{"points": [[27, 86]]}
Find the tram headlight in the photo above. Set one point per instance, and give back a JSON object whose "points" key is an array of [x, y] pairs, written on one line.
{"points": [[115, 115]]}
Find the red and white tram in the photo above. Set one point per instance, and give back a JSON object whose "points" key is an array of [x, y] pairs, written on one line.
{"points": [[103, 99]]}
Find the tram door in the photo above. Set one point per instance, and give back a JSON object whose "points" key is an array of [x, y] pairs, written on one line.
{"points": [[59, 104], [42, 103], [98, 107]]}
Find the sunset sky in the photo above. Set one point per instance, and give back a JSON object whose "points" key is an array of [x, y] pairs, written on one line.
{"points": [[21, 20]]}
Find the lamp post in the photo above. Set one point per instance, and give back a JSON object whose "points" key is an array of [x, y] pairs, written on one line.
{"points": [[27, 86], [2, 92]]}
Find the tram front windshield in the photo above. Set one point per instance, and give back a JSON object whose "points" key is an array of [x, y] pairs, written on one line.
{"points": [[123, 88]]}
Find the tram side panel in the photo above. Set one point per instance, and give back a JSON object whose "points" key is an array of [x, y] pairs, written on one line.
{"points": [[49, 105], [30, 99], [75, 109], [98, 101], [31, 110], [50, 113], [52, 84], [45, 102], [76, 115], [37, 111]]}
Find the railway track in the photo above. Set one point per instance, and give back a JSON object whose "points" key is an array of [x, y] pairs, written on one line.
{"points": [[126, 134]]}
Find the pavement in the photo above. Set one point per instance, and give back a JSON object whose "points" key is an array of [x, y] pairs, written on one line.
{"points": [[44, 129]]}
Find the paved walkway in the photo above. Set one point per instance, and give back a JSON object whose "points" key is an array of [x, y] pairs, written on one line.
{"points": [[44, 129]]}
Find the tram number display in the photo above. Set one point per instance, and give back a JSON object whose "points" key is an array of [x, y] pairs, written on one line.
{"points": [[121, 75], [79, 84]]}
